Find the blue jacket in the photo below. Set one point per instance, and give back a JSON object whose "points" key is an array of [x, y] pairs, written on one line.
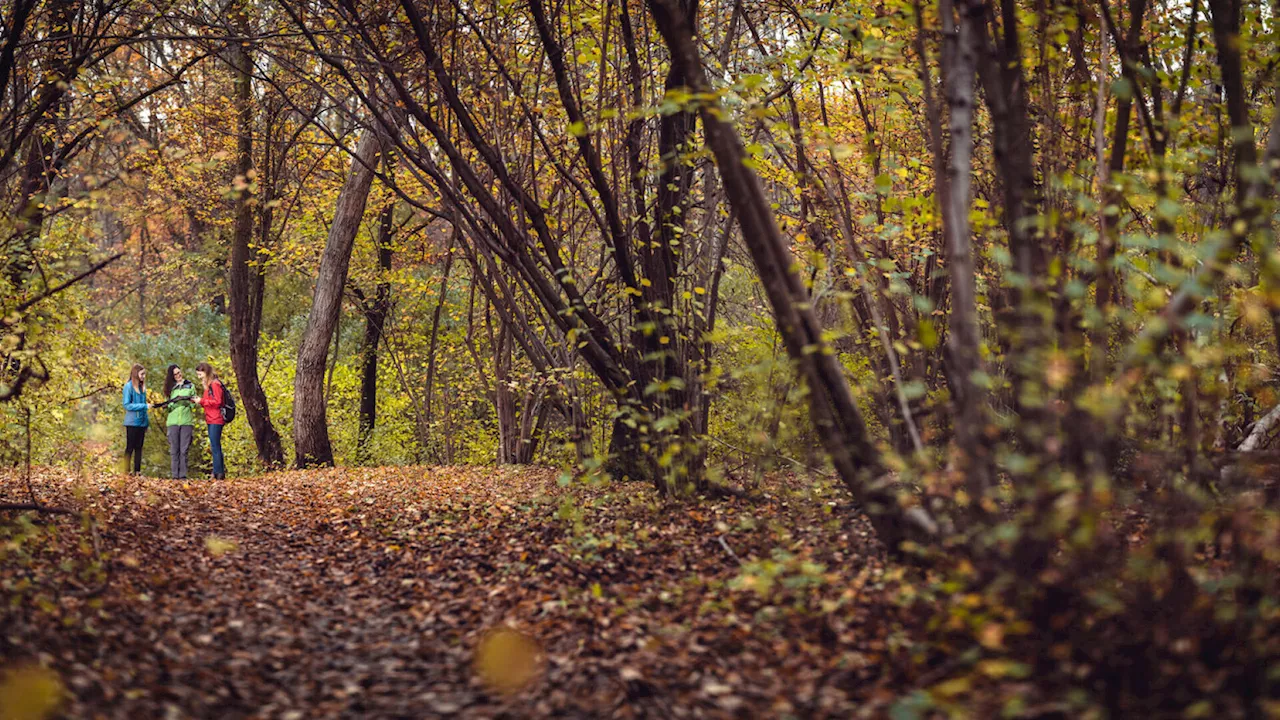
{"points": [[135, 406]]}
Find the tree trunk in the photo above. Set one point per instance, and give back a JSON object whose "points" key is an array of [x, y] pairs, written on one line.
{"points": [[333, 357], [662, 414], [435, 334], [1251, 191], [504, 403], [964, 341], [245, 283], [142, 277], [1004, 85], [832, 409], [1111, 197], [310, 426], [579, 429], [533, 415], [1261, 429], [375, 318]]}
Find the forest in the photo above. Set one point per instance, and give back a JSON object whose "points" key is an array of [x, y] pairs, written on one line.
{"points": [[639, 358]]}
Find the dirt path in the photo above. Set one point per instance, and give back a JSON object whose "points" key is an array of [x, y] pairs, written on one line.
{"points": [[366, 593]]}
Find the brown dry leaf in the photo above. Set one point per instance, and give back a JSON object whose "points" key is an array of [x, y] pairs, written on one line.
{"points": [[314, 601], [992, 636]]}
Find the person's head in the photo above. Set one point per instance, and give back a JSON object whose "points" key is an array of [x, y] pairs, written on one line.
{"points": [[205, 372], [138, 376], [172, 377]]}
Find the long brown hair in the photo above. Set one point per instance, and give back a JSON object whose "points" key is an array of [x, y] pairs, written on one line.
{"points": [[209, 374], [138, 382], [169, 380]]}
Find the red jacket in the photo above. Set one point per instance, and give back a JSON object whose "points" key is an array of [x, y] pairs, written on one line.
{"points": [[211, 401]]}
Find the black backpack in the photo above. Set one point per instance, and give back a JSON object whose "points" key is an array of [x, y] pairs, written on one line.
{"points": [[228, 408]]}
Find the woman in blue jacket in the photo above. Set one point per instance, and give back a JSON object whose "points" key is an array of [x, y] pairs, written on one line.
{"points": [[134, 398]]}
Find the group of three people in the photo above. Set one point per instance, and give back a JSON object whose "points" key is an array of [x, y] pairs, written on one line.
{"points": [[181, 396]]}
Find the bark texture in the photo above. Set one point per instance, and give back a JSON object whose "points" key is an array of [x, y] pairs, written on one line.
{"points": [[375, 318], [964, 341], [310, 425], [245, 283]]}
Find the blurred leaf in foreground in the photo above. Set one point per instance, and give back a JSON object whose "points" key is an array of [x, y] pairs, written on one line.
{"points": [[29, 693], [507, 660]]}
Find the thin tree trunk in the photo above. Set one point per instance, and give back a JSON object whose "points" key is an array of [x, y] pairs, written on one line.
{"points": [[333, 357], [420, 423], [375, 318], [1111, 197], [533, 416], [964, 340], [1004, 84], [1250, 188], [503, 403], [310, 425], [245, 283], [435, 324], [703, 419], [142, 277]]}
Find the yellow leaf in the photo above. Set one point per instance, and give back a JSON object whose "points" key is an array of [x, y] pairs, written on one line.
{"points": [[218, 547], [29, 693], [507, 660], [953, 687], [1002, 669]]}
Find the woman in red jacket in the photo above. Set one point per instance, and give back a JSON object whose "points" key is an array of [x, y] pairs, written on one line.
{"points": [[214, 396]]}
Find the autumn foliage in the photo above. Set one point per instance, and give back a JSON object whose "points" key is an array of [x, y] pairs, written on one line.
{"points": [[643, 357]]}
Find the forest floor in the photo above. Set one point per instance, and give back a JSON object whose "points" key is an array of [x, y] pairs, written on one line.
{"points": [[381, 593]]}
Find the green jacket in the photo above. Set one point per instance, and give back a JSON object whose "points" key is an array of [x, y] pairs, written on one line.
{"points": [[180, 411]]}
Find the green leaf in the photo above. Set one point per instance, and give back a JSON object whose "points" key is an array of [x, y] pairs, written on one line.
{"points": [[911, 707], [914, 389]]}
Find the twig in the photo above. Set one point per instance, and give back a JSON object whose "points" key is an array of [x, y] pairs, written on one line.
{"points": [[762, 456], [89, 394], [59, 288], [729, 550], [34, 507], [31, 491]]}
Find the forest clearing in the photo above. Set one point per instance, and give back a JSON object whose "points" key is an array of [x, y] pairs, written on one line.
{"points": [[640, 358]]}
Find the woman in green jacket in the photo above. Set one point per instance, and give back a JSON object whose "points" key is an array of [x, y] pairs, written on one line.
{"points": [[181, 393]]}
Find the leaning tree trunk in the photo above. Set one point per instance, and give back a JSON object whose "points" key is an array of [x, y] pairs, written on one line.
{"points": [[831, 405], [245, 283], [310, 426], [375, 318]]}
